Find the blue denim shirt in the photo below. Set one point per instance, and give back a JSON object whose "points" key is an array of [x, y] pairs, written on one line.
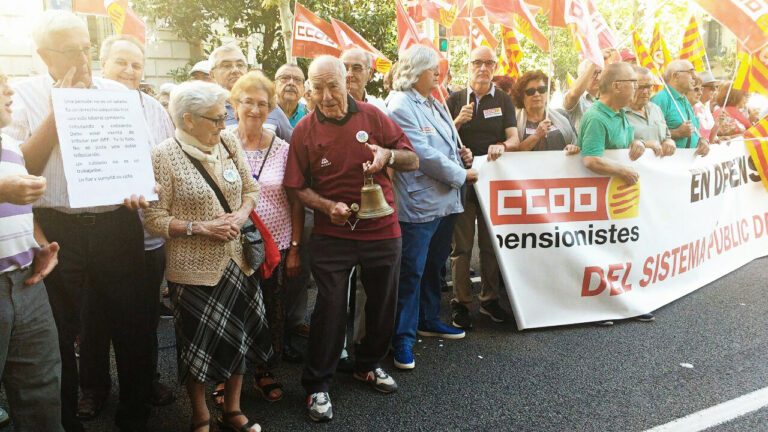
{"points": [[434, 190]]}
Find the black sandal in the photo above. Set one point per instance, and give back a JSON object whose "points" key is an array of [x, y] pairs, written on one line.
{"points": [[195, 426], [225, 425], [217, 396], [267, 389]]}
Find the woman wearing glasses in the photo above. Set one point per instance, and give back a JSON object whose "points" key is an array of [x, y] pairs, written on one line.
{"points": [[218, 308], [539, 127]]}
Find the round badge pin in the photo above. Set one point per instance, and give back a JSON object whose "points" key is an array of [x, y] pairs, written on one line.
{"points": [[230, 175], [362, 136]]}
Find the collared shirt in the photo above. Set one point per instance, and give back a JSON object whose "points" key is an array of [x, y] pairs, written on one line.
{"points": [[278, 123], [325, 154], [298, 114], [17, 244], [649, 124], [31, 105], [494, 113], [669, 107], [603, 128], [576, 113]]}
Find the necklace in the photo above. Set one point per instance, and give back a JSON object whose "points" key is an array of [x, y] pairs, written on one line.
{"points": [[243, 139]]}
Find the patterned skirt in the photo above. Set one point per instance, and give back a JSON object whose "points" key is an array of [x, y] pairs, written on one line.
{"points": [[219, 328]]}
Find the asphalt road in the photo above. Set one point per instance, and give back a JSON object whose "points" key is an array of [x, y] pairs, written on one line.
{"points": [[577, 378]]}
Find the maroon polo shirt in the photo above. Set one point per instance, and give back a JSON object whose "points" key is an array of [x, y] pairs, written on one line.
{"points": [[326, 156]]}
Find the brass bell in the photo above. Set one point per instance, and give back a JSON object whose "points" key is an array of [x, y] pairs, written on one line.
{"points": [[372, 201]]}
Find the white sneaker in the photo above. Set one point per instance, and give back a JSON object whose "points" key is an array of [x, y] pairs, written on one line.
{"points": [[378, 379], [319, 406]]}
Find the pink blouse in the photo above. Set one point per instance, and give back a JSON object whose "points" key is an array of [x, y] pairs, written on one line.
{"points": [[273, 207]]}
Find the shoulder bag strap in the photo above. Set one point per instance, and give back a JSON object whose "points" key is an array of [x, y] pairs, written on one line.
{"points": [[208, 179]]}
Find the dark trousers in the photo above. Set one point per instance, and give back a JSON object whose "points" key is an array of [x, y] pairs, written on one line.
{"points": [[95, 340], [101, 257], [332, 259]]}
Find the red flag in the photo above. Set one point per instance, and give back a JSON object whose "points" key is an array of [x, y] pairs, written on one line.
{"points": [[604, 35], [470, 8], [481, 35], [414, 10], [575, 15], [124, 19], [408, 34], [746, 19], [504, 11], [441, 11], [349, 39], [312, 36]]}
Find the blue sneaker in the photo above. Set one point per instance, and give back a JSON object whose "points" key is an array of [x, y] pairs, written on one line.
{"points": [[404, 357], [440, 330]]}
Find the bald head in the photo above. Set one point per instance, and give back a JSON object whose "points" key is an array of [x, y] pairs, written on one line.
{"points": [[327, 78], [326, 66], [612, 73], [680, 75]]}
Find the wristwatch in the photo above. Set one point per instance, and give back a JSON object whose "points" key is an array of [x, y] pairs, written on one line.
{"points": [[189, 229], [391, 158], [294, 243]]}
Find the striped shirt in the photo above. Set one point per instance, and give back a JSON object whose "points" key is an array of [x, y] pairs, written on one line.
{"points": [[17, 245], [31, 105]]}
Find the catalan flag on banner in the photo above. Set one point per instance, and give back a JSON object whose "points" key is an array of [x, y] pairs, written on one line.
{"points": [[509, 61], [659, 50], [752, 75], [756, 140], [645, 60], [693, 46]]}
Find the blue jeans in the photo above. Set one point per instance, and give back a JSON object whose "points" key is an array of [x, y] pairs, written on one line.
{"points": [[426, 246], [30, 365]]}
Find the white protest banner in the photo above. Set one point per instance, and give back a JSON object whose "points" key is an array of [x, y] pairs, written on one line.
{"points": [[104, 145], [578, 247]]}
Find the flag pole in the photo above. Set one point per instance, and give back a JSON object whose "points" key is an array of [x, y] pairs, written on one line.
{"points": [[443, 98], [469, 64], [551, 71]]}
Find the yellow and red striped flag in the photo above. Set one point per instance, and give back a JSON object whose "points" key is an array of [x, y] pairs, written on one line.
{"points": [[756, 140], [752, 75], [509, 61], [659, 50], [645, 60], [693, 46]]}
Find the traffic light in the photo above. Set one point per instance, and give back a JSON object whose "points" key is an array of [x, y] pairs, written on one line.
{"points": [[442, 38]]}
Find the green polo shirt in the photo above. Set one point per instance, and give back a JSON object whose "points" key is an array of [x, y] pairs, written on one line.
{"points": [[672, 116], [603, 128]]}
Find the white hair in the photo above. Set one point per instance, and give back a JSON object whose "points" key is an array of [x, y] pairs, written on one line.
{"points": [[223, 49], [676, 66], [366, 55], [53, 21], [194, 97], [336, 63], [414, 61], [106, 46]]}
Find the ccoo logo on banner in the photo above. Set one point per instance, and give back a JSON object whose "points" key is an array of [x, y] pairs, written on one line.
{"points": [[577, 247]]}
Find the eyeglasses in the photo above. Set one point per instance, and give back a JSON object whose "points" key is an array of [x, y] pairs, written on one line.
{"points": [[645, 87], [532, 91], [697, 89], [218, 121], [477, 64], [692, 72], [285, 79], [249, 104], [354, 67], [634, 82], [228, 65], [73, 53]]}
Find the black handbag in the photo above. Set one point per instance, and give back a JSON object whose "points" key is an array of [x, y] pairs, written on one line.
{"points": [[250, 237]]}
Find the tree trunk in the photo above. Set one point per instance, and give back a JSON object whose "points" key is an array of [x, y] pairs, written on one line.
{"points": [[286, 22]]}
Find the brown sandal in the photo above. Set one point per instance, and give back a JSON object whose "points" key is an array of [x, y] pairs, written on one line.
{"points": [[267, 389], [247, 427]]}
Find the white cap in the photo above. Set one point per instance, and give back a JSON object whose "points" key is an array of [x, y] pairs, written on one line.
{"points": [[202, 66], [167, 87]]}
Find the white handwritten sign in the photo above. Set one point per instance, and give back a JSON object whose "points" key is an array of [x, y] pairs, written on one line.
{"points": [[104, 145]]}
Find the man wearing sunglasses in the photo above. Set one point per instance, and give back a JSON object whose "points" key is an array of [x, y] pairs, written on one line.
{"points": [[488, 126], [102, 248], [605, 125], [678, 112]]}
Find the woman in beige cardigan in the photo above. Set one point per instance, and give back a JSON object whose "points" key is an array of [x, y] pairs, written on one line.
{"points": [[218, 306]]}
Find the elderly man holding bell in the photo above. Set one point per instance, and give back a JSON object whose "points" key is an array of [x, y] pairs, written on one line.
{"points": [[332, 151]]}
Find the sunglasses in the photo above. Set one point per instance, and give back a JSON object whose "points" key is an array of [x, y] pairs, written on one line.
{"points": [[532, 91]]}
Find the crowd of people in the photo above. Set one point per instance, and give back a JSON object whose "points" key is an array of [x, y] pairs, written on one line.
{"points": [[296, 150]]}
